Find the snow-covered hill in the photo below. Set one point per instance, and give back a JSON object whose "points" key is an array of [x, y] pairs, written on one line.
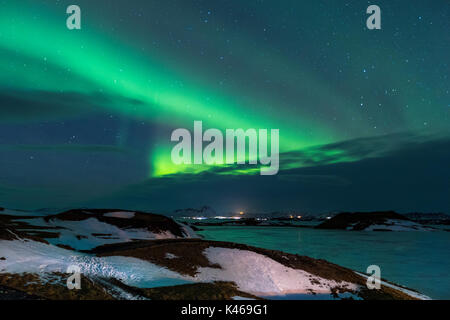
{"points": [[84, 229], [372, 221], [145, 256]]}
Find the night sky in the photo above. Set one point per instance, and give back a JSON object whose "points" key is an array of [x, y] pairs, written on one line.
{"points": [[86, 115]]}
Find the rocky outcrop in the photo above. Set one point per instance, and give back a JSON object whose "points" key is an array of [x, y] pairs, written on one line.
{"points": [[371, 221]]}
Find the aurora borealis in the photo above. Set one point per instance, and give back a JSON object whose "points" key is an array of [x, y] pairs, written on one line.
{"points": [[86, 115]]}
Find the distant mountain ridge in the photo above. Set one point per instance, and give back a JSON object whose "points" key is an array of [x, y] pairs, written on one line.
{"points": [[372, 221], [429, 218], [205, 211]]}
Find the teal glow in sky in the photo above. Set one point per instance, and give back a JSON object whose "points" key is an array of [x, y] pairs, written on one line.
{"points": [[100, 103]]}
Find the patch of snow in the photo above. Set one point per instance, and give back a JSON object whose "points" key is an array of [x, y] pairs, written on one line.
{"points": [[171, 256], [25, 256], [90, 233], [257, 274], [350, 226], [120, 214], [33, 257], [398, 225], [118, 292], [188, 232]]}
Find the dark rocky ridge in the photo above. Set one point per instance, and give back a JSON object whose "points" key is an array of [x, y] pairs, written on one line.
{"points": [[141, 220], [197, 291], [359, 220], [430, 218], [8, 293], [30, 286], [10, 225]]}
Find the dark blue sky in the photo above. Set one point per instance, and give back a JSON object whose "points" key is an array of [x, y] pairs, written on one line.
{"points": [[86, 115]]}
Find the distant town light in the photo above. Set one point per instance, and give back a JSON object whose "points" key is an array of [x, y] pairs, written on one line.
{"points": [[241, 213]]}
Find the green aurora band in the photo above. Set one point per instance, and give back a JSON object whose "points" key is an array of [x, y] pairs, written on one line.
{"points": [[38, 53]]}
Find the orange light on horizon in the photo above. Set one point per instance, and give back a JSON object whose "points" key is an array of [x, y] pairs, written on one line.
{"points": [[241, 213]]}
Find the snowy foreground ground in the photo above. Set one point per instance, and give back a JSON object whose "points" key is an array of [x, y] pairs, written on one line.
{"points": [[128, 255]]}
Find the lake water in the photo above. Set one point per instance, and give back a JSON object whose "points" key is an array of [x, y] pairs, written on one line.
{"points": [[419, 260]]}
